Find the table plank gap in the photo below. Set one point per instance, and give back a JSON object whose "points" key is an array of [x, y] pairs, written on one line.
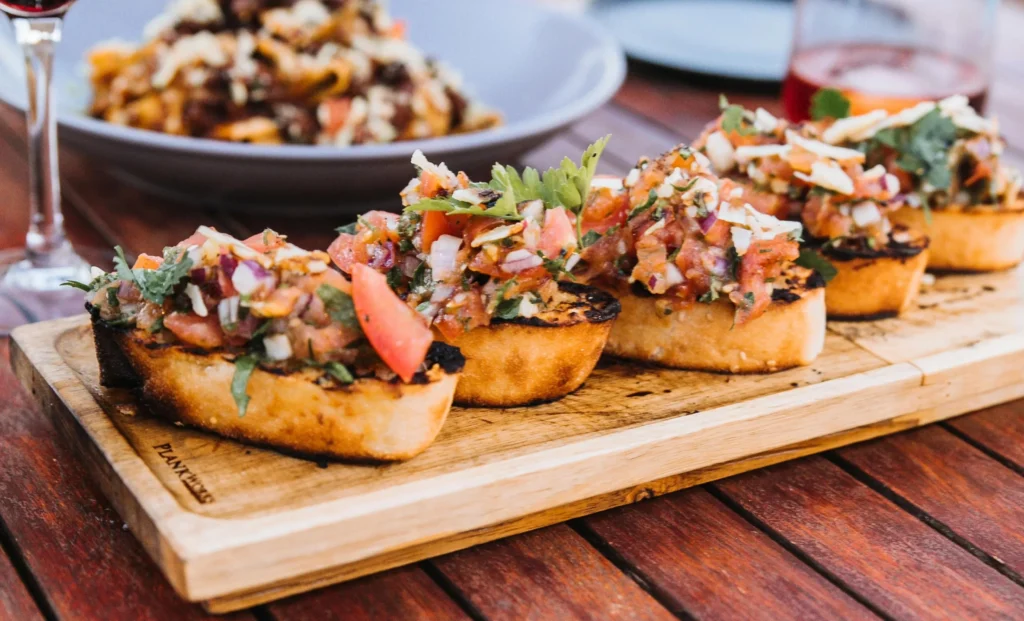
{"points": [[405, 593], [21, 597], [685, 546], [921, 470], [548, 573], [629, 569], [782, 541], [901, 565], [998, 432]]}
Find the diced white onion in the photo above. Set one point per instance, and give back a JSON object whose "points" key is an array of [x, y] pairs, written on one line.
{"points": [[443, 254], [244, 280], [571, 262], [442, 293], [741, 238], [673, 276], [277, 347], [227, 310], [196, 296], [764, 121], [497, 234], [746, 154], [608, 181], [316, 267], [632, 178], [533, 211], [854, 128], [520, 260], [821, 149], [721, 152], [865, 214], [527, 308]]}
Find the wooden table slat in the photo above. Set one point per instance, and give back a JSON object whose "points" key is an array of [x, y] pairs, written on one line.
{"points": [[551, 573], [691, 548], [67, 534], [15, 600], [999, 430], [902, 566], [405, 593], [976, 497]]}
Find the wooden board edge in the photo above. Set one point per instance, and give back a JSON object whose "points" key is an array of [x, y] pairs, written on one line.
{"points": [[585, 469], [30, 348], [604, 502]]}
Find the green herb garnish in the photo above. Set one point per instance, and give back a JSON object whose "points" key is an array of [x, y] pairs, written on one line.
{"points": [[395, 277], [812, 259], [829, 103], [338, 305], [244, 366], [591, 238], [508, 309], [339, 372], [652, 197], [155, 285], [348, 229]]}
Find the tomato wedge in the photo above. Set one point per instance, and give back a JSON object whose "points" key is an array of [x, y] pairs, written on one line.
{"points": [[147, 262], [195, 239], [438, 223], [265, 242], [558, 233], [396, 332]]}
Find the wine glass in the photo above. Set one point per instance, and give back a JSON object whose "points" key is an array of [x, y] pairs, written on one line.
{"points": [[30, 288]]}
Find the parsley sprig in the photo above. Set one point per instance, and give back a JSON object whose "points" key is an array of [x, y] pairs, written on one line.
{"points": [[829, 103]]}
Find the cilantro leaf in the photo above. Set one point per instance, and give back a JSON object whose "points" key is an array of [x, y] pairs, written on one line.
{"points": [[501, 209], [829, 103], [508, 309], [244, 366], [338, 305], [591, 238], [155, 285], [395, 277], [339, 372], [734, 119], [812, 259], [652, 197], [348, 229]]}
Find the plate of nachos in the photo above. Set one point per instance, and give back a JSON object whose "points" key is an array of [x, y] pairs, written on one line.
{"points": [[315, 104]]}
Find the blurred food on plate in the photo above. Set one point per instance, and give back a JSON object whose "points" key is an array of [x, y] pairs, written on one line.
{"points": [[330, 72]]}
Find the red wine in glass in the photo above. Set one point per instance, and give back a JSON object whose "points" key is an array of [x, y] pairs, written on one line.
{"points": [[35, 8]]}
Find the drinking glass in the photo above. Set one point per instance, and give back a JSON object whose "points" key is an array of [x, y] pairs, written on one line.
{"points": [[30, 288], [890, 54]]}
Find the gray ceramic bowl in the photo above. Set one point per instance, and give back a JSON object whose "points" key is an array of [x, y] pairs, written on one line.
{"points": [[541, 69]]}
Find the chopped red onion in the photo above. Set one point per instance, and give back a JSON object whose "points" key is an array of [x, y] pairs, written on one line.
{"points": [[707, 222], [228, 263]]}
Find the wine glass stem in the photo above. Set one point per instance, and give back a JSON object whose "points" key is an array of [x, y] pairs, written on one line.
{"points": [[45, 241]]}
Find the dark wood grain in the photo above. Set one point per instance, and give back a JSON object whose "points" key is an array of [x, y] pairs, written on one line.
{"points": [[86, 563], [999, 429], [975, 496], [691, 548], [15, 600], [546, 574], [902, 566], [406, 593]]}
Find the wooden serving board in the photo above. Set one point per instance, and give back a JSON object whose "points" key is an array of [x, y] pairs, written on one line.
{"points": [[232, 525]]}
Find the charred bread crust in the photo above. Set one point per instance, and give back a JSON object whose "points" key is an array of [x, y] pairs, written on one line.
{"points": [[523, 361], [875, 283], [970, 238], [596, 305], [703, 337], [853, 248], [370, 419]]}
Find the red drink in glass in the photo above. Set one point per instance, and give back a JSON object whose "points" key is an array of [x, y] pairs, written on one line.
{"points": [[879, 76], [35, 8]]}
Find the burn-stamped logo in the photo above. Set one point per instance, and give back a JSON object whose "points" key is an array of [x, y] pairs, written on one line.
{"points": [[188, 478]]}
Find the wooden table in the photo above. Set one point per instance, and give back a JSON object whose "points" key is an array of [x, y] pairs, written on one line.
{"points": [[923, 524]]}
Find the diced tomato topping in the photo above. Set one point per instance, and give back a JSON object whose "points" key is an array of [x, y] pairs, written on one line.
{"points": [[265, 242], [430, 184], [764, 259], [196, 239], [472, 313], [438, 223], [397, 333], [204, 332], [604, 210], [147, 262], [398, 29], [342, 252], [558, 233]]}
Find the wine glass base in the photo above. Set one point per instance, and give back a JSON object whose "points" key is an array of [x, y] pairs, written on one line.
{"points": [[29, 294]]}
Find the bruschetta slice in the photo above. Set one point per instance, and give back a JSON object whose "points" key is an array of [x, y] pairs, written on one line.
{"points": [[958, 189], [488, 266], [264, 342], [706, 282], [873, 269]]}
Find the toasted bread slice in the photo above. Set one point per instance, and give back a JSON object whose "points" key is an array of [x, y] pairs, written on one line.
{"points": [[872, 284], [978, 238], [704, 337], [369, 419], [522, 361]]}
